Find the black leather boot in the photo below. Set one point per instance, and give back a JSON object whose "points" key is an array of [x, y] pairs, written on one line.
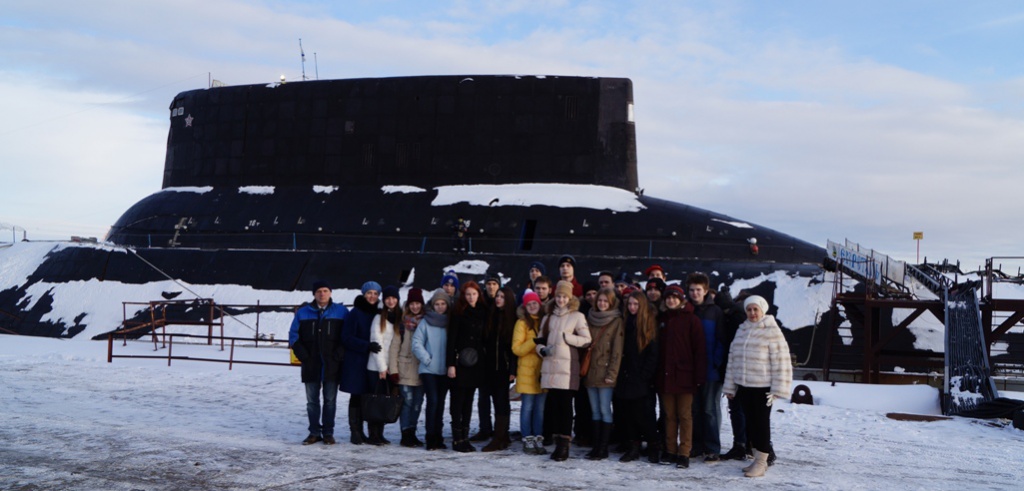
{"points": [[355, 421], [595, 452], [632, 452], [562, 444]]}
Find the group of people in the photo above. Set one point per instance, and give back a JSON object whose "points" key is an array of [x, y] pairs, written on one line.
{"points": [[605, 360]]}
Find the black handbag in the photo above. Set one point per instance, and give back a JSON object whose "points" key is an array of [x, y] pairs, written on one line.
{"points": [[381, 408], [468, 357]]}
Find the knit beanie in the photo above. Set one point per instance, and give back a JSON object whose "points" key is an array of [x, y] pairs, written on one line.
{"points": [[450, 277], [759, 300], [371, 285], [390, 291], [564, 287], [590, 286], [440, 295], [656, 283], [539, 266], [320, 284], [415, 295], [652, 268], [675, 290], [530, 296], [567, 259]]}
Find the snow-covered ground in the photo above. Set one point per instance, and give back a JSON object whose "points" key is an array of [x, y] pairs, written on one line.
{"points": [[70, 420]]}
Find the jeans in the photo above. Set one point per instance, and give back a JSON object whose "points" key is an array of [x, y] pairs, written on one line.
{"points": [[707, 409], [436, 390], [412, 402], [531, 414], [330, 390], [601, 403]]}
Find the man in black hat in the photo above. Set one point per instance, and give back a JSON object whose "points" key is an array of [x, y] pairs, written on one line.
{"points": [[315, 339], [567, 272]]}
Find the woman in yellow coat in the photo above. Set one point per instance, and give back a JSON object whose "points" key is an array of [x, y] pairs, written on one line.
{"points": [[531, 414]]}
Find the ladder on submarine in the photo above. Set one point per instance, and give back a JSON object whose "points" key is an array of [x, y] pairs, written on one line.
{"points": [[967, 379]]}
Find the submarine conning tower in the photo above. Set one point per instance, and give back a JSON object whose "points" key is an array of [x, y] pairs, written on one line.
{"points": [[421, 131]]}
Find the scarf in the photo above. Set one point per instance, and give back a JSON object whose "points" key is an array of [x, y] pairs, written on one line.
{"points": [[435, 319], [410, 322], [597, 318]]}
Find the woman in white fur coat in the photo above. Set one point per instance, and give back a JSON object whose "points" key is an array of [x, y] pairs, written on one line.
{"points": [[759, 371]]}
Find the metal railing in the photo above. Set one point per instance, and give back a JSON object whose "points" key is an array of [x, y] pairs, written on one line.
{"points": [[169, 339]]}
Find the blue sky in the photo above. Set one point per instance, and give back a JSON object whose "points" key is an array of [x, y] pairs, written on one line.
{"points": [[823, 119]]}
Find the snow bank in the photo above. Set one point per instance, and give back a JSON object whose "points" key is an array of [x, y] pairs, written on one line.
{"points": [[557, 195]]}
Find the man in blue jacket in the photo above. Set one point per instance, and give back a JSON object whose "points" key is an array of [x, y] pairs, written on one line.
{"points": [[315, 338], [707, 403]]}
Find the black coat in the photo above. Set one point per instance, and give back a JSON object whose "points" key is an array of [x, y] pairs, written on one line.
{"points": [[637, 369], [499, 361], [466, 330], [355, 337]]}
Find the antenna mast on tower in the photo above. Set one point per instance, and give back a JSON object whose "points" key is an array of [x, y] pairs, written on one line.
{"points": [[303, 53]]}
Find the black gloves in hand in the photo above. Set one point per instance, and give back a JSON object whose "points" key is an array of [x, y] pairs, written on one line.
{"points": [[545, 351], [374, 347], [539, 340]]}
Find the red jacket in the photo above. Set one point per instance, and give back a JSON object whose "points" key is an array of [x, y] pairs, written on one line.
{"points": [[682, 364]]}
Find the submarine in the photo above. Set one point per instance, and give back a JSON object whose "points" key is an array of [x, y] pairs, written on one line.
{"points": [[275, 186]]}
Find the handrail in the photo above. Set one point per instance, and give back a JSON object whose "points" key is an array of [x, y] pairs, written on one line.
{"points": [[231, 361]]}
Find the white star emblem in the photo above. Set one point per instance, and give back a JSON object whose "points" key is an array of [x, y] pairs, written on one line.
{"points": [[188, 121]]}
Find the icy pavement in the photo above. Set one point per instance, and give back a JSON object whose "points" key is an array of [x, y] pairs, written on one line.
{"points": [[73, 421]]}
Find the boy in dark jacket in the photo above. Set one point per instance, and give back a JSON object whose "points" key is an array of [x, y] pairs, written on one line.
{"points": [[707, 403], [315, 338]]}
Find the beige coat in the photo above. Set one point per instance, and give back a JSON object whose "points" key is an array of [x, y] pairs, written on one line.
{"points": [[567, 330], [402, 361], [605, 354], [759, 357]]}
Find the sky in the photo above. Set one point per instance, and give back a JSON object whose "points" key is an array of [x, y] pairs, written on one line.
{"points": [[865, 120]]}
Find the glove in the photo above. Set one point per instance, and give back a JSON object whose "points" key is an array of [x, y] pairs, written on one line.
{"points": [[374, 347], [545, 351], [770, 399], [394, 378], [539, 340]]}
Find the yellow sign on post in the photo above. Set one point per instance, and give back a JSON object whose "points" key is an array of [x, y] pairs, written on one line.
{"points": [[918, 235]]}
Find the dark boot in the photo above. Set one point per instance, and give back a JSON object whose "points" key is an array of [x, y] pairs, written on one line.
{"points": [[605, 436], [632, 452], [595, 452], [481, 436], [409, 438], [501, 440], [435, 442], [653, 453], [416, 441], [355, 423], [460, 442], [682, 462], [738, 452], [562, 444], [376, 434]]}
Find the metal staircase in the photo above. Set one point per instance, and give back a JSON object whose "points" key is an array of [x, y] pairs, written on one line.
{"points": [[967, 370]]}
